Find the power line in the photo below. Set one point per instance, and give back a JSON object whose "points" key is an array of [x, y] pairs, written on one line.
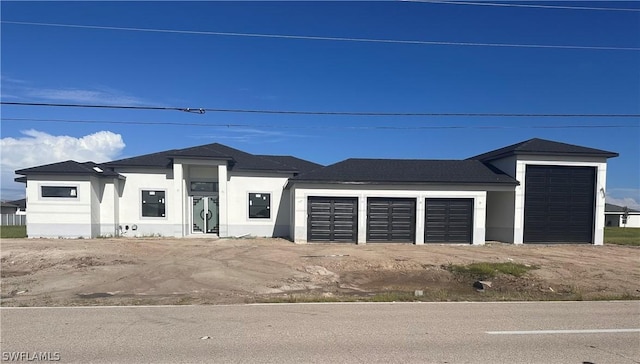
{"points": [[337, 39], [368, 127], [331, 113], [524, 5]]}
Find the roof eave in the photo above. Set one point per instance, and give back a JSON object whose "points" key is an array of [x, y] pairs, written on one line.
{"points": [[488, 157], [337, 182]]}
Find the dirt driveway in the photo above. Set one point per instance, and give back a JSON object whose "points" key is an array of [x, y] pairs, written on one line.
{"points": [[42, 272]]}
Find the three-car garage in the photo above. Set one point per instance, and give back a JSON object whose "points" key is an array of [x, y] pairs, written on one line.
{"points": [[390, 220]]}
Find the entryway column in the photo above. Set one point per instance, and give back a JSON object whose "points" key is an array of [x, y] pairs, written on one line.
{"points": [[177, 207], [222, 201]]}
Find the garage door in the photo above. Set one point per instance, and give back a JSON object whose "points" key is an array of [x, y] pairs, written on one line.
{"points": [[559, 204], [332, 219], [448, 220], [391, 220]]}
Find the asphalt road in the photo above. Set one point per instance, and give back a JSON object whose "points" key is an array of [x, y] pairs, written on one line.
{"points": [[531, 332]]}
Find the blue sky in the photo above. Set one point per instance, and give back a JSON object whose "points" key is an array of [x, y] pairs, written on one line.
{"points": [[56, 64]]}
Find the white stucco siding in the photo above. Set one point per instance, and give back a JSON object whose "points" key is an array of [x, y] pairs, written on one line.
{"points": [[633, 221], [108, 207], [500, 215], [601, 178], [59, 217], [96, 192], [238, 188], [130, 206], [301, 193]]}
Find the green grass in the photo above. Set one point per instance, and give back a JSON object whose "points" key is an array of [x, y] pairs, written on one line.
{"points": [[622, 236], [9, 232], [488, 270]]}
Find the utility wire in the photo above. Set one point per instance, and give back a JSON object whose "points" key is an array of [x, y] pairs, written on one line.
{"points": [[524, 5], [370, 127], [332, 113], [337, 39]]}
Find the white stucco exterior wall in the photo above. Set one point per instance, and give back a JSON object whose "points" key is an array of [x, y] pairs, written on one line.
{"points": [[59, 217], [500, 215], [239, 186], [131, 204]]}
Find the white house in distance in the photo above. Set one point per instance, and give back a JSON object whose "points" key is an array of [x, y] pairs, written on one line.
{"points": [[616, 216], [536, 191]]}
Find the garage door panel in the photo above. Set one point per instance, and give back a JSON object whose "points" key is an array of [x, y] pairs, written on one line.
{"points": [[332, 219], [559, 203], [391, 219], [448, 220]]}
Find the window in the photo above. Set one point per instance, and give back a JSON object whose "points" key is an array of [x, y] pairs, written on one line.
{"points": [[153, 203], [59, 191], [260, 205], [204, 186]]}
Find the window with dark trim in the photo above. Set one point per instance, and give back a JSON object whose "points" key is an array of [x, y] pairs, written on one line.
{"points": [[260, 205], [59, 191], [153, 203]]}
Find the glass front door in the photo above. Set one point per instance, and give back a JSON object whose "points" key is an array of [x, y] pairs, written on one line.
{"points": [[204, 215]]}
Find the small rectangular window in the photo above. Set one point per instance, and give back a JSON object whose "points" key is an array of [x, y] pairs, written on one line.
{"points": [[153, 203], [260, 205], [204, 186], [59, 191]]}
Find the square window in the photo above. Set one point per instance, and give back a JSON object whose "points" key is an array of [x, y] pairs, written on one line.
{"points": [[59, 191], [260, 205], [153, 203]]}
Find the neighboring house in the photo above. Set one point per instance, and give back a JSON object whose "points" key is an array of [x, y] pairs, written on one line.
{"points": [[12, 213], [615, 216], [7, 208], [537, 191], [22, 206]]}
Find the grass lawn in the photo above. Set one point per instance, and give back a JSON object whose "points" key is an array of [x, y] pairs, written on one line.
{"points": [[7, 232], [622, 236]]}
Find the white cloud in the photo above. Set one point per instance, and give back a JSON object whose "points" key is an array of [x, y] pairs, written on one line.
{"points": [[18, 89], [250, 135], [102, 96], [37, 148]]}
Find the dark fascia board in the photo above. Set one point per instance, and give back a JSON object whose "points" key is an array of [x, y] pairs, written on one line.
{"points": [[21, 179], [397, 183], [287, 171], [96, 174], [198, 157], [488, 157], [538, 146]]}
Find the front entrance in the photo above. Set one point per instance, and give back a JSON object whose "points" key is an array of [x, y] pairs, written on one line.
{"points": [[204, 215]]}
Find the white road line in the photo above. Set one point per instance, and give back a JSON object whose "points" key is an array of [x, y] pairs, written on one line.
{"points": [[548, 332]]}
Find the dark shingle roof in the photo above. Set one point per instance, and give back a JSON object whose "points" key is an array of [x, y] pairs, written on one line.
{"points": [[303, 166], [407, 171], [609, 207], [238, 160], [155, 160], [70, 167], [544, 147]]}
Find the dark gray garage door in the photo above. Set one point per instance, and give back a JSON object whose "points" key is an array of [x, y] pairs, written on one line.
{"points": [[391, 220], [448, 220], [332, 219], [559, 204]]}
